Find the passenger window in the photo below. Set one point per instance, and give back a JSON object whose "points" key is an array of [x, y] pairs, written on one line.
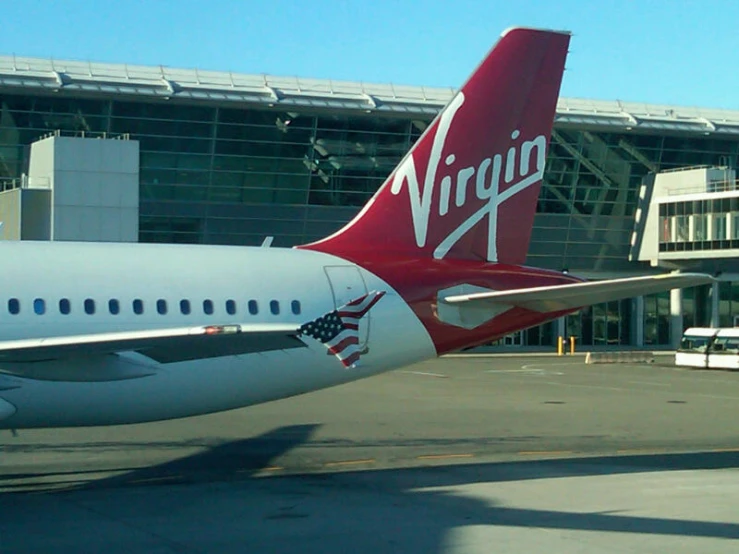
{"points": [[89, 306], [161, 306], [253, 307], [138, 306], [208, 307], [230, 307], [14, 306], [114, 306], [39, 306], [295, 306], [64, 306], [185, 307], [274, 307]]}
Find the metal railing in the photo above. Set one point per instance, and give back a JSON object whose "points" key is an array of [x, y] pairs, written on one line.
{"points": [[24, 182], [690, 168], [709, 187], [9, 184], [86, 134]]}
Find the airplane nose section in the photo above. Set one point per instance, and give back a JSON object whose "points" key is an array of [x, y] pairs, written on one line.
{"points": [[6, 409]]}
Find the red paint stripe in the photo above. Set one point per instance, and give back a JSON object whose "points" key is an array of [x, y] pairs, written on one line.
{"points": [[349, 360], [356, 306], [374, 301], [363, 311], [348, 341]]}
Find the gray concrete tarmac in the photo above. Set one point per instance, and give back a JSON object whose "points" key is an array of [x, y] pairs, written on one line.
{"points": [[462, 454]]}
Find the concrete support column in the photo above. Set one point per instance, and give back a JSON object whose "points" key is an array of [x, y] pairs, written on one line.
{"points": [[676, 317], [715, 304], [637, 323]]}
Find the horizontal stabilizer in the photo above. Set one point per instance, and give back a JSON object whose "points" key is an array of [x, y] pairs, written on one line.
{"points": [[572, 296], [162, 345]]}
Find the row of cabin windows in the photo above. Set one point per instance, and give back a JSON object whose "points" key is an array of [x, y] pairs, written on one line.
{"points": [[137, 306]]}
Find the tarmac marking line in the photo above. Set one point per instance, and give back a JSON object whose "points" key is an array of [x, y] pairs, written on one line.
{"points": [[532, 370], [349, 462], [528, 370], [580, 386], [544, 452], [641, 451], [443, 456], [427, 373], [650, 383]]}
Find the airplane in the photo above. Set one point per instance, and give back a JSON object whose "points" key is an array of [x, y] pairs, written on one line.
{"points": [[103, 334]]}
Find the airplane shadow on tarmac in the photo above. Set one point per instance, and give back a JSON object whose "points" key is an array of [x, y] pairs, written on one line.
{"points": [[214, 498]]}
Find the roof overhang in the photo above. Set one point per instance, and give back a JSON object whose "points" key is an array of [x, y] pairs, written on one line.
{"points": [[193, 85]]}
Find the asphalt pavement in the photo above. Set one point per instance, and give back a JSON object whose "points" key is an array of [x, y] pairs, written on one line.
{"points": [[462, 454]]}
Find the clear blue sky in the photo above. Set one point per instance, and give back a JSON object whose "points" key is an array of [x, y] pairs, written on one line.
{"points": [[682, 52]]}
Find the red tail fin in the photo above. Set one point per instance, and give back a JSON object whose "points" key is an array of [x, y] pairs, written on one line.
{"points": [[469, 186]]}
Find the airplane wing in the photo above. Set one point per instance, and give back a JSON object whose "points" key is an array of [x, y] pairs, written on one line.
{"points": [[566, 297], [163, 345]]}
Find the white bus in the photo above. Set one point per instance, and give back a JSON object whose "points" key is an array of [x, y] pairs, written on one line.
{"points": [[711, 348], [723, 352], [693, 350]]}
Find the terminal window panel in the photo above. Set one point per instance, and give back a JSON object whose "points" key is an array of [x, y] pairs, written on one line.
{"points": [[175, 160], [696, 305], [541, 335], [164, 111], [604, 324], [657, 319], [728, 303], [276, 131], [719, 227], [699, 225]]}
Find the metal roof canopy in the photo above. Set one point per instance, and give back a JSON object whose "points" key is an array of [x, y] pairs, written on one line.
{"points": [[293, 92]]}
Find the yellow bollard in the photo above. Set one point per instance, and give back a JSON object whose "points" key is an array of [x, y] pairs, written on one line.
{"points": [[560, 346], [572, 344]]}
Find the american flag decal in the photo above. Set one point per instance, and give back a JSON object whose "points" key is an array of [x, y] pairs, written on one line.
{"points": [[339, 330]]}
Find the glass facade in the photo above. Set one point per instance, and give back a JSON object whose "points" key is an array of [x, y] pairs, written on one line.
{"points": [[657, 319], [233, 175], [223, 173], [605, 324]]}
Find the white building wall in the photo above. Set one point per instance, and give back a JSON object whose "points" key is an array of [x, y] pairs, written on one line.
{"points": [[10, 210], [95, 187]]}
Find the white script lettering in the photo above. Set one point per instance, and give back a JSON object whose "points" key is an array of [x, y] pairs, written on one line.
{"points": [[486, 177]]}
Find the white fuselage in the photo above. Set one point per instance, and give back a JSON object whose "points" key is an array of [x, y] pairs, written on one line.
{"points": [[129, 387]]}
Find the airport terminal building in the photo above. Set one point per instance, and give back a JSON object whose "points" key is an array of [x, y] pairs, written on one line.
{"points": [[224, 158]]}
